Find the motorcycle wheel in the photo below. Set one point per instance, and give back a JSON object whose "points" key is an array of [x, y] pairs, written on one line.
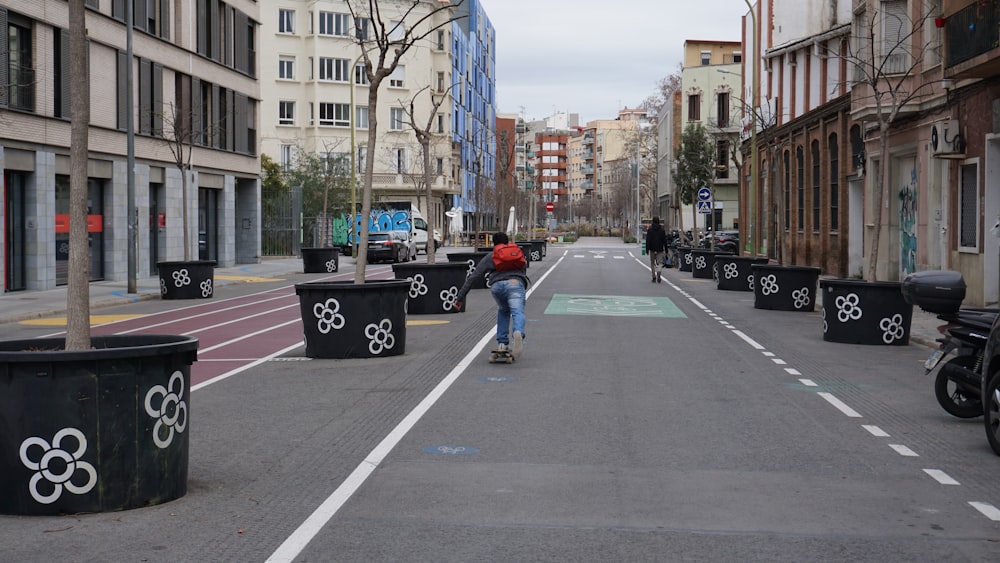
{"points": [[992, 418], [950, 395]]}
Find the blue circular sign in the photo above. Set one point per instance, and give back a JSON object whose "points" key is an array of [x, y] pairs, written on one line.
{"points": [[704, 194]]}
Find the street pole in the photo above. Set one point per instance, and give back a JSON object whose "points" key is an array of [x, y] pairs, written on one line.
{"points": [[132, 215], [638, 167], [752, 185]]}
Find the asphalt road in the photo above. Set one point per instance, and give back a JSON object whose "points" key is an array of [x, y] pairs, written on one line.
{"points": [[645, 422]]}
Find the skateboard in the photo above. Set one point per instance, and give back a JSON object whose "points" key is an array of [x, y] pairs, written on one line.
{"points": [[501, 356]]}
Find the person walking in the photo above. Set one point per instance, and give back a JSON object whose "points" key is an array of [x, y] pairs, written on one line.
{"points": [[508, 284], [656, 245]]}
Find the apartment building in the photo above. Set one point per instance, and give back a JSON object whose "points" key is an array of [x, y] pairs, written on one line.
{"points": [[194, 69], [315, 96], [609, 152]]}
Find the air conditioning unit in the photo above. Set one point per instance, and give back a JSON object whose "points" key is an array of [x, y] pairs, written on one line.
{"points": [[946, 139]]}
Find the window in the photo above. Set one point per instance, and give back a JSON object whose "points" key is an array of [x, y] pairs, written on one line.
{"points": [[440, 82], [440, 40], [361, 117], [722, 109], [359, 75], [331, 23], [333, 69], [399, 159], [20, 72], [361, 28], [439, 167], [440, 123], [787, 188], [722, 159], [969, 208], [895, 34], [286, 113], [814, 156], [286, 67], [706, 58], [287, 156], [334, 115], [362, 158], [932, 34], [150, 98], [694, 107], [398, 77], [800, 164], [396, 119], [834, 183], [286, 21], [342, 115], [397, 30]]}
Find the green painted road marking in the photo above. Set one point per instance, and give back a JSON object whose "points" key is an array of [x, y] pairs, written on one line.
{"points": [[613, 306]]}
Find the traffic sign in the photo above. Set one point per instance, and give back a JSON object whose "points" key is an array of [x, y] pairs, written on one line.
{"points": [[705, 207], [550, 206], [704, 194]]}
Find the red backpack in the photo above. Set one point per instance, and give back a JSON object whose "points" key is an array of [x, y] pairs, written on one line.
{"points": [[508, 257]]}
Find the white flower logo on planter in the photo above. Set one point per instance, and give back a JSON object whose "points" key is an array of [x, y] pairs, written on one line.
{"points": [[472, 266], [769, 284], [172, 412], [181, 277], [892, 328], [750, 281], [801, 298], [730, 270], [206, 288], [70, 463], [847, 307], [380, 336], [163, 286], [329, 316], [687, 258], [700, 263], [417, 286], [448, 297], [825, 324], [331, 265]]}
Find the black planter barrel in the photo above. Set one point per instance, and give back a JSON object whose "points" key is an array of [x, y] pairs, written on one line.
{"points": [[537, 250], [320, 260], [188, 279], [433, 287], [784, 288], [684, 258], [862, 312], [471, 259], [348, 320], [525, 247], [735, 273], [703, 263], [97, 430]]}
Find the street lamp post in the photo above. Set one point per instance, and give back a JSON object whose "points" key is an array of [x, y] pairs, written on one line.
{"points": [[638, 189], [752, 185]]}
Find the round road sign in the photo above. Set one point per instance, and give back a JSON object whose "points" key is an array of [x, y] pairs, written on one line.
{"points": [[550, 206]]}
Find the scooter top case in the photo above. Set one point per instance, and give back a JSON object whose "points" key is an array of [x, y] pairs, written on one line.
{"points": [[935, 291]]}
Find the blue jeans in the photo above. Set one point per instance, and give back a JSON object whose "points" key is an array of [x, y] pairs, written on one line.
{"points": [[509, 295]]}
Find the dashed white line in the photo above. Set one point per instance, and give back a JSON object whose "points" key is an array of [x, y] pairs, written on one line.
{"points": [[941, 477], [792, 371], [875, 431], [779, 361], [903, 450], [748, 340], [840, 405], [808, 382], [988, 510], [768, 354]]}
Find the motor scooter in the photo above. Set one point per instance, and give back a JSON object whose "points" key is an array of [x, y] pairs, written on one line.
{"points": [[958, 384]]}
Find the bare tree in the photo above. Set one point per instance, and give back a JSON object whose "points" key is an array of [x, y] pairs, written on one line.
{"points": [[384, 39], [887, 55], [180, 135], [78, 290], [425, 136]]}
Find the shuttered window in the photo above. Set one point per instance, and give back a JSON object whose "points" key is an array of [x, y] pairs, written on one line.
{"points": [[969, 208]]}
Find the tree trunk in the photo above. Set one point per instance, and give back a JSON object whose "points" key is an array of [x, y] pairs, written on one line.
{"points": [[361, 262], [879, 200], [78, 288], [185, 222], [429, 217]]}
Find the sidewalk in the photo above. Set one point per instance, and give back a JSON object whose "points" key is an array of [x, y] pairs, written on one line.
{"points": [[25, 305]]}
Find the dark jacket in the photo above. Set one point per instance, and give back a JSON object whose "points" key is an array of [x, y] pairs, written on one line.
{"points": [[486, 267], [656, 238]]}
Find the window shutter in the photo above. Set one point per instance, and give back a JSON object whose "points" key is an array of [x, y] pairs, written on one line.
{"points": [[230, 121], [196, 111], [164, 19], [95, 4], [145, 95], [122, 90], [241, 47], [240, 123], [4, 58], [203, 27], [218, 132], [214, 46], [64, 83], [118, 9], [156, 121], [139, 15]]}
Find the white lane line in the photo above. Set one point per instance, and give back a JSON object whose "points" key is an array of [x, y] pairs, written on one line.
{"points": [[903, 450], [578, 256], [941, 477], [808, 382], [840, 405], [988, 510], [229, 374], [779, 361], [768, 354], [619, 257], [248, 335], [697, 303], [792, 371], [290, 549], [875, 431], [753, 343]]}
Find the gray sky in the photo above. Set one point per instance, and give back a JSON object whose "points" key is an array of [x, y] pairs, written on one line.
{"points": [[593, 57]]}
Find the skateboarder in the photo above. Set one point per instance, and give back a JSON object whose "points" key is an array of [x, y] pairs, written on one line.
{"points": [[508, 287], [656, 245]]}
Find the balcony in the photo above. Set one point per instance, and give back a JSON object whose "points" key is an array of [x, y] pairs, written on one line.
{"points": [[972, 36]]}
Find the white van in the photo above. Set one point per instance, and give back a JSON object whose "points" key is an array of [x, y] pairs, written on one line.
{"points": [[420, 231]]}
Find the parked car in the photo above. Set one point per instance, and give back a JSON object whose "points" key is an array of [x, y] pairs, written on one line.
{"points": [[728, 241], [392, 246]]}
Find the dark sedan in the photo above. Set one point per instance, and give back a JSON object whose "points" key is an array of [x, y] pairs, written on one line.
{"points": [[391, 246]]}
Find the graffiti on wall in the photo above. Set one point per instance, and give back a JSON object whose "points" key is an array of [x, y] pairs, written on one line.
{"points": [[381, 220], [908, 224]]}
